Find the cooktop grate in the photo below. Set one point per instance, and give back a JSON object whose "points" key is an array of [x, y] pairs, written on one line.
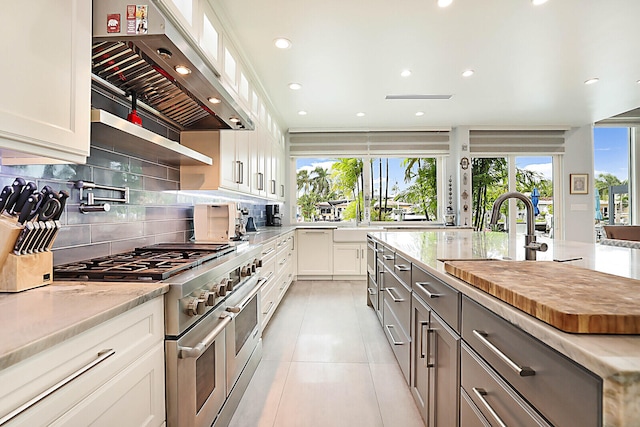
{"points": [[156, 262]]}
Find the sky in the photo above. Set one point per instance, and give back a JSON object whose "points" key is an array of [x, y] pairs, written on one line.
{"points": [[611, 156]]}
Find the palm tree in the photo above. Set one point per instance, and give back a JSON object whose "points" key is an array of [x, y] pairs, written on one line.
{"points": [[320, 182], [347, 179], [421, 173], [303, 180], [486, 174]]}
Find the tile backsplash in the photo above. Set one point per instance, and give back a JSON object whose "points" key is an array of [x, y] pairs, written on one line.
{"points": [[156, 213]]}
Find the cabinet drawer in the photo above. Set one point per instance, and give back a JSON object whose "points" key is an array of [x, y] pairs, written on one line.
{"points": [[399, 299], [402, 269], [268, 250], [398, 339], [372, 291], [130, 335], [572, 395], [441, 297], [470, 415], [499, 404], [131, 399]]}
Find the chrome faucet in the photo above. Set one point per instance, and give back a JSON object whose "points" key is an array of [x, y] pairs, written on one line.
{"points": [[530, 243]]}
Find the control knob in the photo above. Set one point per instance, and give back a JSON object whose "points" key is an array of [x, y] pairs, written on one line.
{"points": [[208, 297], [196, 307], [245, 271], [257, 262], [221, 288]]}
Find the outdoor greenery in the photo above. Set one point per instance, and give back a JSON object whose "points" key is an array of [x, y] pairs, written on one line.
{"points": [[490, 179]]}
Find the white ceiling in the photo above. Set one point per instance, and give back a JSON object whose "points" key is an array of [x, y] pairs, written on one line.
{"points": [[530, 61]]}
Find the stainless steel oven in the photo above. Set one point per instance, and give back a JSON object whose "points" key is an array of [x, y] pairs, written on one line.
{"points": [[243, 332], [196, 372]]}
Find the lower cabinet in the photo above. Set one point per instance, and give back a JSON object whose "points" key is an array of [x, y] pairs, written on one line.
{"points": [[278, 266], [349, 259], [112, 374], [435, 355], [315, 252]]}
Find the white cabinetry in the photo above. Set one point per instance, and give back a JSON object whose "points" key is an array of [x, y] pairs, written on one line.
{"points": [[115, 372], [45, 105], [349, 259], [278, 265], [234, 160], [315, 252]]}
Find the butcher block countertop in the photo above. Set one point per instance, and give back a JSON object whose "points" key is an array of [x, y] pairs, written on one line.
{"points": [[613, 357], [571, 298]]}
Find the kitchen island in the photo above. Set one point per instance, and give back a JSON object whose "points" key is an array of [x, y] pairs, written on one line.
{"points": [[613, 358]]}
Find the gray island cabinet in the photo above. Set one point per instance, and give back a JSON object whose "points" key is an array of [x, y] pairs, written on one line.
{"points": [[472, 360]]}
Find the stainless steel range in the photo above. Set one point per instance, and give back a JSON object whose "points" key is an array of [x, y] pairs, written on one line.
{"points": [[212, 332]]}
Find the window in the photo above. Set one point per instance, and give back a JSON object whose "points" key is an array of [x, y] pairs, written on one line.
{"points": [[531, 176], [361, 189], [611, 161]]}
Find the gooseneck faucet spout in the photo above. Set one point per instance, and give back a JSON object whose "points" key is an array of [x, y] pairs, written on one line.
{"points": [[530, 243]]}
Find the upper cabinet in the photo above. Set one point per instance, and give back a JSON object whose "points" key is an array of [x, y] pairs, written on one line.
{"points": [[46, 93], [243, 161]]}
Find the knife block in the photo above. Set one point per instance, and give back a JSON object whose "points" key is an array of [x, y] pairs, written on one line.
{"points": [[19, 273]]}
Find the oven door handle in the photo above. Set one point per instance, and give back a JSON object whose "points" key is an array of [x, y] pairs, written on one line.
{"points": [[256, 289], [196, 351]]}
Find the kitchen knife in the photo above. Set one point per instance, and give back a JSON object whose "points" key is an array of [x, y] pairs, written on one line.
{"points": [[48, 210], [17, 185], [4, 196], [24, 215], [27, 191], [51, 237]]}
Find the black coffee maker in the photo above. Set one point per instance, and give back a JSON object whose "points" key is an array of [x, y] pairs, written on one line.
{"points": [[274, 217]]}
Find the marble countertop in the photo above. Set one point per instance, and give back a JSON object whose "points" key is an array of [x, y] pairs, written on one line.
{"points": [[37, 319], [615, 358]]}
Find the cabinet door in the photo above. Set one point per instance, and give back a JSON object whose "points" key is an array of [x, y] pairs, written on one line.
{"points": [[315, 255], [363, 259], [347, 259], [444, 380], [257, 153], [228, 165], [243, 161], [45, 109], [419, 381]]}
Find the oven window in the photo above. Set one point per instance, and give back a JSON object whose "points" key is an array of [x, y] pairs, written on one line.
{"points": [[245, 323], [206, 375]]}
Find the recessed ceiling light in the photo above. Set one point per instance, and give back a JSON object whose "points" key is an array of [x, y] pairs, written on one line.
{"points": [[282, 43], [302, 113], [214, 100], [420, 113], [592, 81], [405, 73], [467, 73], [444, 3], [181, 69], [360, 114], [295, 86], [538, 2], [234, 119], [638, 81]]}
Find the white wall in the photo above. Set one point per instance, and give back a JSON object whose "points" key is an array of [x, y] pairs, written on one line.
{"points": [[578, 209]]}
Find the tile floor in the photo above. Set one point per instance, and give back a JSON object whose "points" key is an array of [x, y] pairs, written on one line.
{"points": [[326, 363]]}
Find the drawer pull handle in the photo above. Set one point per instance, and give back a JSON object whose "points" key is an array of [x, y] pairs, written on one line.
{"points": [[393, 297], [523, 371], [422, 326], [401, 267], [481, 393], [387, 257], [371, 291], [389, 327], [102, 356], [264, 313], [268, 251], [430, 294]]}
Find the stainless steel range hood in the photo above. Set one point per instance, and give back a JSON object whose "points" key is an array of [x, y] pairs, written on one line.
{"points": [[139, 49]]}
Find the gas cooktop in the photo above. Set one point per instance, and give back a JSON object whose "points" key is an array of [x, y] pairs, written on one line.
{"points": [[156, 262]]}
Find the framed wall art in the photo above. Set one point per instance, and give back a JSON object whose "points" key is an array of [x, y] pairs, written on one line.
{"points": [[579, 183]]}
